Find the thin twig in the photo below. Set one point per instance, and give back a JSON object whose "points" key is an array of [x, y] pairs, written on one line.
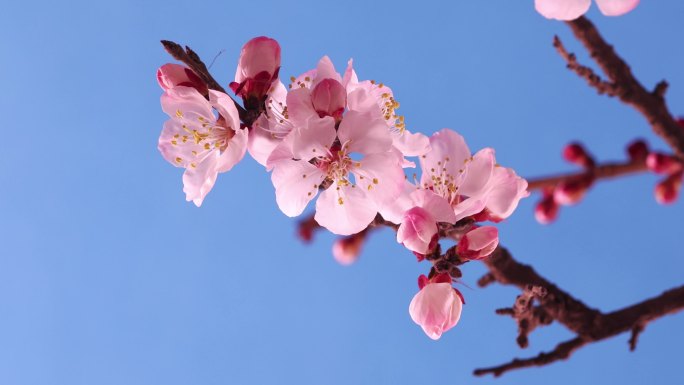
{"points": [[561, 352], [623, 84], [603, 171]]}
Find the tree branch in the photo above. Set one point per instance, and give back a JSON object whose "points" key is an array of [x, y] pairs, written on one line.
{"points": [[561, 352], [590, 325], [623, 84], [605, 171]]}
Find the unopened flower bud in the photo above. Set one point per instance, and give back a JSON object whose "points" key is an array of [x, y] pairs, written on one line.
{"points": [[172, 75], [637, 150], [329, 98], [667, 191], [416, 230], [436, 307], [346, 250], [478, 243], [576, 154], [258, 67], [546, 210], [662, 163], [570, 192]]}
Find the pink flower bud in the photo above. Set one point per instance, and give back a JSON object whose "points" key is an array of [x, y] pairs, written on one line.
{"points": [[171, 75], [329, 98], [416, 230], [546, 210], [478, 243], [572, 191], [575, 153], [346, 250], [258, 67], [662, 163], [637, 150], [667, 191], [436, 308]]}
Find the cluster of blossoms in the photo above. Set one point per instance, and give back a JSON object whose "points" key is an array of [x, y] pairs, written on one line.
{"points": [[572, 9], [333, 138]]}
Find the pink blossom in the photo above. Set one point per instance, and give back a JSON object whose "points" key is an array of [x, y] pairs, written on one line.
{"points": [[478, 243], [171, 75], [195, 139], [364, 96], [257, 69], [319, 156], [572, 9], [436, 307], [470, 184]]}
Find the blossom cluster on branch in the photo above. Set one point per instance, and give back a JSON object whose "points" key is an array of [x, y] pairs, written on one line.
{"points": [[330, 137], [333, 138]]}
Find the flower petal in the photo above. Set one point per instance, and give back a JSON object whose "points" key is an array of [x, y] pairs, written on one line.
{"points": [[411, 144], [325, 70], [438, 207], [349, 78], [185, 102], [507, 190], [177, 144], [198, 181], [478, 172], [315, 139], [299, 106], [345, 210], [416, 230], [234, 152], [562, 9], [394, 210], [226, 108], [616, 7], [296, 183], [365, 133], [446, 158], [380, 176]]}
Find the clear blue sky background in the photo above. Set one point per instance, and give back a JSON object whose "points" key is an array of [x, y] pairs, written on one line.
{"points": [[107, 275]]}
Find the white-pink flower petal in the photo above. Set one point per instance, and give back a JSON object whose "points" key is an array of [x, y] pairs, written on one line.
{"points": [[365, 133], [345, 210], [562, 9], [616, 7], [296, 183], [198, 181]]}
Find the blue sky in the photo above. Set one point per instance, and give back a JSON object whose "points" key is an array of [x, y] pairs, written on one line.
{"points": [[107, 275]]}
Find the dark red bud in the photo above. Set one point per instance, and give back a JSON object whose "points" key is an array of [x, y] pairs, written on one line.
{"points": [[667, 191], [576, 154], [546, 210], [662, 163], [637, 150]]}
